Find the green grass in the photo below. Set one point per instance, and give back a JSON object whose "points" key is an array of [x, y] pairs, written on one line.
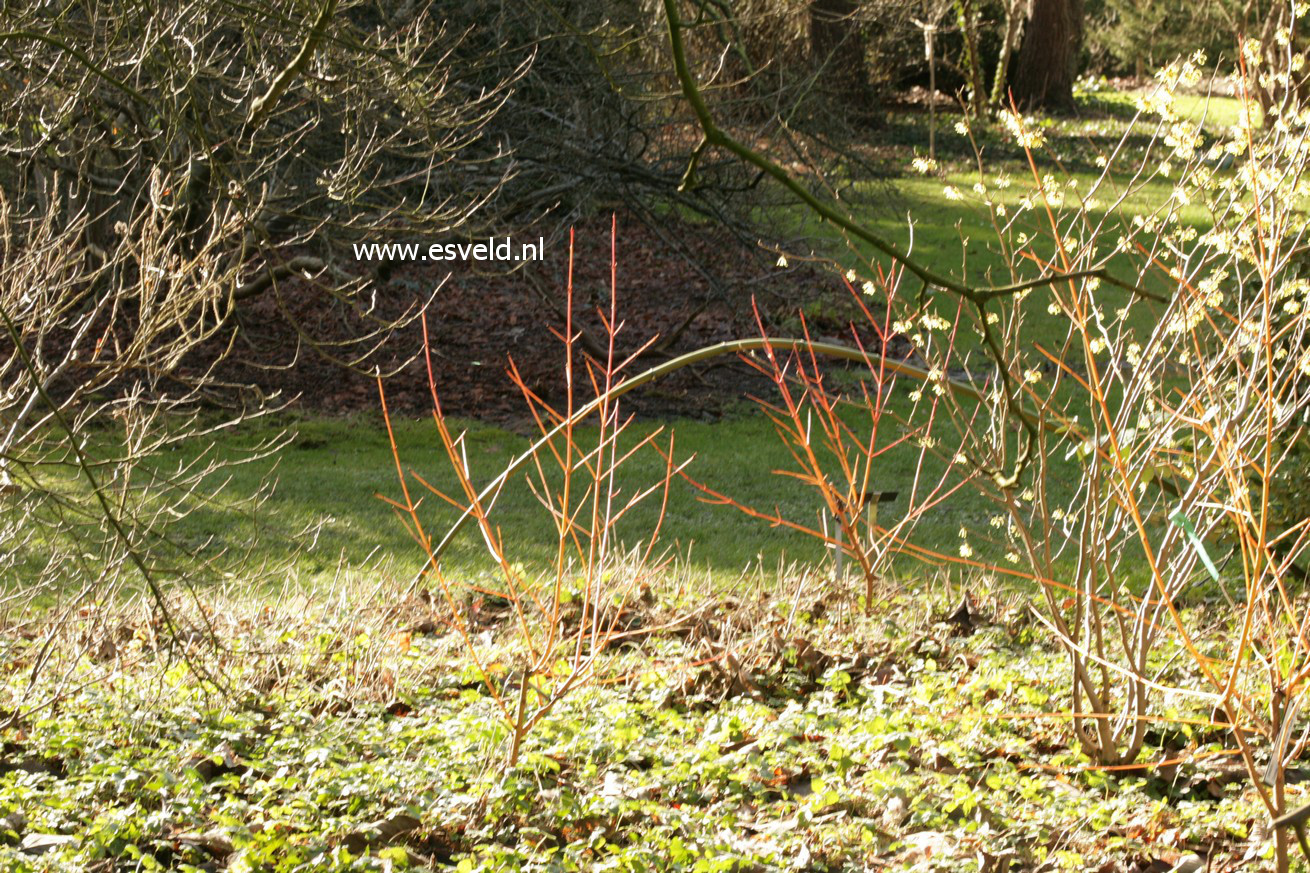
{"points": [[1215, 112], [957, 237], [327, 505], [326, 511]]}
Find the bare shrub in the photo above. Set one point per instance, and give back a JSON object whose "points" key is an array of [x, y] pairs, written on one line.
{"points": [[565, 618], [1162, 431]]}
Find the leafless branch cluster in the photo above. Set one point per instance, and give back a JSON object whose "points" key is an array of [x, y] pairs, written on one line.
{"points": [[161, 166]]}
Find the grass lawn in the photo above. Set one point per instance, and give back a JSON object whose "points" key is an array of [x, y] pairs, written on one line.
{"points": [[326, 503], [958, 237]]}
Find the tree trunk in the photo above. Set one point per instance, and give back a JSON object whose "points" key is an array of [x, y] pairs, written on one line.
{"points": [[929, 48], [837, 51], [1048, 59], [967, 14], [1013, 20]]}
